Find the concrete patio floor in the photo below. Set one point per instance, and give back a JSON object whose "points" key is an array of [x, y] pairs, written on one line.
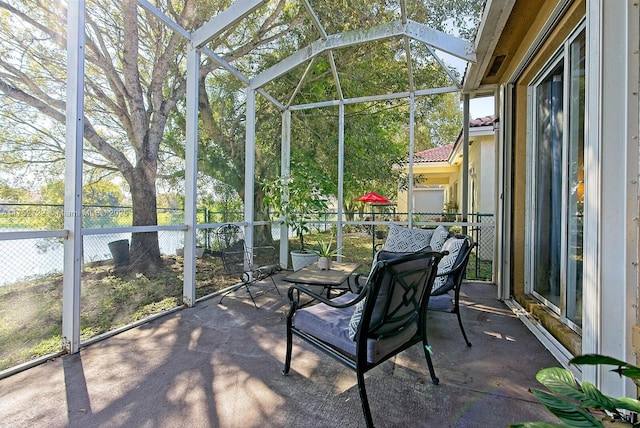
{"points": [[219, 365]]}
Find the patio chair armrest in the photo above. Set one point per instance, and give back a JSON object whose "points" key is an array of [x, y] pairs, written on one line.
{"points": [[356, 281], [450, 271], [294, 297]]}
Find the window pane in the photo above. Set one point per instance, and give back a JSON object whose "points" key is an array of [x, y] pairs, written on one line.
{"points": [[548, 186], [576, 180]]}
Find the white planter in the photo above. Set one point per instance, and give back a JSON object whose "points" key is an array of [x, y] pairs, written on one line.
{"points": [[300, 260], [324, 263]]}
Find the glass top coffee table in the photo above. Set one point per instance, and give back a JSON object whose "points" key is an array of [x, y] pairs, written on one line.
{"points": [[328, 279]]}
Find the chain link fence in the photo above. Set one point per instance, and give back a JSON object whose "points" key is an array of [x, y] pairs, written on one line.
{"points": [[26, 258], [31, 268], [481, 266], [29, 258]]}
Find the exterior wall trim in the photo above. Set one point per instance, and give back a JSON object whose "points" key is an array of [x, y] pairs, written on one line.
{"points": [[613, 136], [540, 39]]}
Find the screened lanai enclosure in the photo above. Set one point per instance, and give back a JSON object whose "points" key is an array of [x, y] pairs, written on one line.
{"points": [[131, 130]]}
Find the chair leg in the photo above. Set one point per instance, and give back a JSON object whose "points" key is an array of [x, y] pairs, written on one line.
{"points": [[247, 285], [287, 358], [236, 288], [456, 309], [364, 400], [275, 285], [427, 355], [462, 328], [229, 291]]}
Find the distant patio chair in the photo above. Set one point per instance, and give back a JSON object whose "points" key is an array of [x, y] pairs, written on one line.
{"points": [[451, 272], [236, 259], [363, 330]]}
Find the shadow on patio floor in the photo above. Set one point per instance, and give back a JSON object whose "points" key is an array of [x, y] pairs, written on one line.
{"points": [[220, 366]]}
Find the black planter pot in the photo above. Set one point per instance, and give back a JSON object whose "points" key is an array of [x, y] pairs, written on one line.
{"points": [[120, 252]]}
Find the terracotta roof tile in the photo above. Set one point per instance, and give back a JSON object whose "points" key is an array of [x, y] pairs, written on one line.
{"points": [[437, 154], [482, 121], [442, 153]]}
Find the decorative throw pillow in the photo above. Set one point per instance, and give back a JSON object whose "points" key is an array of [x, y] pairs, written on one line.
{"points": [[438, 238], [404, 240], [453, 246], [355, 319]]}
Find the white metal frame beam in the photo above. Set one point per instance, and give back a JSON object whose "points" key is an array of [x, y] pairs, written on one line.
{"points": [[324, 35], [164, 18], [238, 75], [412, 125], [611, 183], [285, 171], [405, 28], [437, 39], [191, 177], [249, 170], [314, 19], [373, 98], [72, 271], [341, 115], [225, 19]]}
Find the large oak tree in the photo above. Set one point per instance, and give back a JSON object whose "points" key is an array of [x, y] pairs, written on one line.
{"points": [[136, 80], [135, 77]]}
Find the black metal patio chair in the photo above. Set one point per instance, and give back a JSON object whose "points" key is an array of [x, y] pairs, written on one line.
{"points": [[236, 259], [451, 272], [364, 330]]}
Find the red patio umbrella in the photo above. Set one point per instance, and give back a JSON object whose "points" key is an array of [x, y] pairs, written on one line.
{"points": [[373, 197]]}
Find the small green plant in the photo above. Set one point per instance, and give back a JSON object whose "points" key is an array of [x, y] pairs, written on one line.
{"points": [[324, 249], [451, 210], [582, 404], [297, 201]]}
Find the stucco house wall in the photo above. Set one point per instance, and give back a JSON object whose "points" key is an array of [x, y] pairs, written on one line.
{"points": [[428, 199], [520, 43], [442, 166]]}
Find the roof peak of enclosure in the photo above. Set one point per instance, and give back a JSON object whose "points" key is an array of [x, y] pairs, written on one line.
{"points": [[306, 44]]}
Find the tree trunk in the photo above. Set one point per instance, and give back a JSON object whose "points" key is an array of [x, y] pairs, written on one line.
{"points": [[145, 249], [262, 234]]}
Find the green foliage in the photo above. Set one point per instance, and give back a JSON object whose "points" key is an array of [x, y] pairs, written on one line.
{"points": [[52, 192], [14, 194], [578, 404], [296, 200], [104, 193], [438, 121], [459, 17]]}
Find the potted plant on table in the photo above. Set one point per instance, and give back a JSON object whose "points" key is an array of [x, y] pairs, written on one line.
{"points": [[325, 253], [297, 201]]}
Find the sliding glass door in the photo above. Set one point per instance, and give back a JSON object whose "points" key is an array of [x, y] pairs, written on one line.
{"points": [[557, 185]]}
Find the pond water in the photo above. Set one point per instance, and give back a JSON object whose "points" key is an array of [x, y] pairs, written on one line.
{"points": [[26, 258]]}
